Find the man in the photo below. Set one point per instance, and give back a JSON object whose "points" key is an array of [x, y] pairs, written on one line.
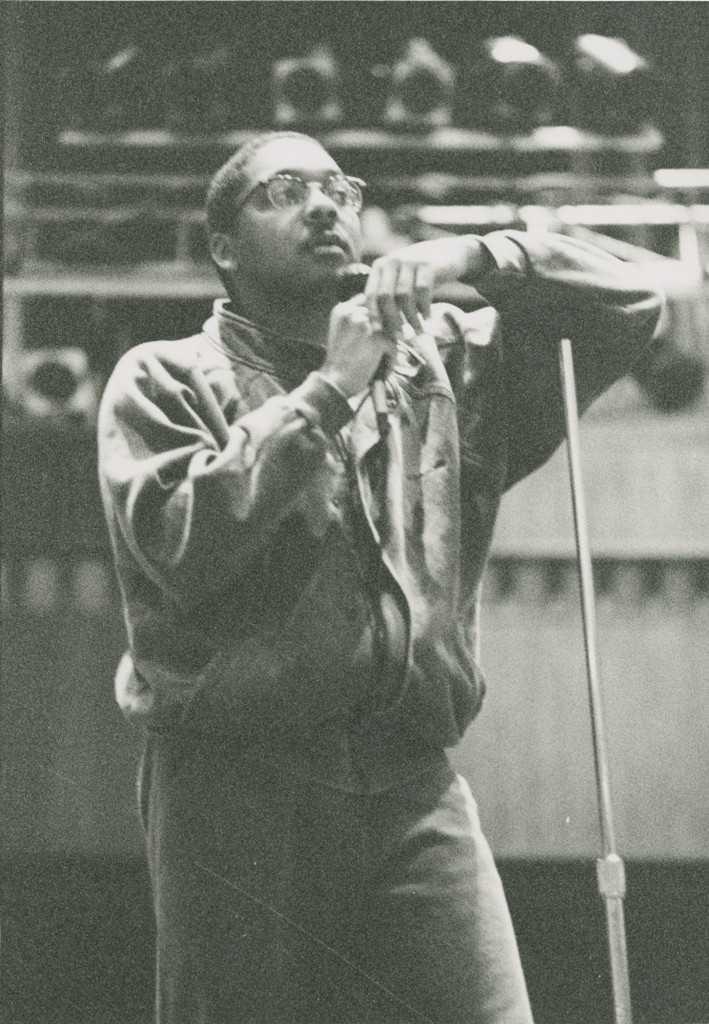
{"points": [[299, 574]]}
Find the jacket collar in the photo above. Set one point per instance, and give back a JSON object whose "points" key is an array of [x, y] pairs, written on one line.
{"points": [[290, 358]]}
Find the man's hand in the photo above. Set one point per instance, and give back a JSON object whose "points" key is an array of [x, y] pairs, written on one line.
{"points": [[402, 282], [354, 349]]}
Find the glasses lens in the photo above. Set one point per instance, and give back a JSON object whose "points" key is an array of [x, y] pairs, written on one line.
{"points": [[286, 190], [344, 191]]}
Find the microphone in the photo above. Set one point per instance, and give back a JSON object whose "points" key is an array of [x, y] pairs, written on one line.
{"points": [[352, 279]]}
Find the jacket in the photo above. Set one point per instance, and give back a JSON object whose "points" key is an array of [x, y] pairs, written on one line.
{"points": [[245, 602]]}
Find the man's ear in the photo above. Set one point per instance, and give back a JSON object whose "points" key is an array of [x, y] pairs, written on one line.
{"points": [[221, 248]]}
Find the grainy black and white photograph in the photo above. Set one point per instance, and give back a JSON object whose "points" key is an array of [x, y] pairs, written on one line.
{"points": [[355, 563]]}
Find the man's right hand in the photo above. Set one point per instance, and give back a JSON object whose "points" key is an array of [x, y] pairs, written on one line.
{"points": [[354, 350]]}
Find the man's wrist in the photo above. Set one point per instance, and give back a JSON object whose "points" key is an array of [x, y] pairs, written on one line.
{"points": [[322, 402], [479, 261], [335, 380]]}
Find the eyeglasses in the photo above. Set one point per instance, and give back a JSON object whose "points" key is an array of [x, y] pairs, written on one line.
{"points": [[287, 190]]}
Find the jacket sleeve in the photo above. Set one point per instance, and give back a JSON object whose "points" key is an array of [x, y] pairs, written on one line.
{"points": [[193, 516], [546, 287]]}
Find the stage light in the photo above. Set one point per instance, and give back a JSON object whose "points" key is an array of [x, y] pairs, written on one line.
{"points": [[422, 86], [511, 87], [306, 91], [614, 89], [54, 383]]}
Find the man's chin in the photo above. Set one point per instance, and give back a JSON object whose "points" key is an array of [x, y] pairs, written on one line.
{"points": [[312, 283], [323, 266], [316, 272]]}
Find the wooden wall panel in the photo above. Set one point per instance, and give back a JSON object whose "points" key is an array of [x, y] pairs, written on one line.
{"points": [[646, 480], [68, 756], [529, 756]]}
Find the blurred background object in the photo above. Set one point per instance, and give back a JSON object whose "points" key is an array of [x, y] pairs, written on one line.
{"points": [[53, 383], [421, 90], [511, 87], [615, 90], [306, 91]]}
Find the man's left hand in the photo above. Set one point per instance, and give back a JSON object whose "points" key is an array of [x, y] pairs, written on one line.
{"points": [[401, 283]]}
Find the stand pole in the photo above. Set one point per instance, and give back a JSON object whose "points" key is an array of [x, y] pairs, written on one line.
{"points": [[610, 869]]}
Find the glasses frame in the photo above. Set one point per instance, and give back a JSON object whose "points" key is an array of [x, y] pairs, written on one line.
{"points": [[359, 184]]}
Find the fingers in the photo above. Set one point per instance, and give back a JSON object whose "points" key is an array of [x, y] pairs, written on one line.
{"points": [[423, 292], [352, 312], [359, 318], [396, 288], [349, 305], [377, 299], [354, 348], [405, 293]]}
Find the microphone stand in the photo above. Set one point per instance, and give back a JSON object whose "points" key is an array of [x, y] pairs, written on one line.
{"points": [[610, 870]]}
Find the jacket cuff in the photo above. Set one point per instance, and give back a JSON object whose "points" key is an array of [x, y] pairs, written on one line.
{"points": [[321, 403], [507, 254]]}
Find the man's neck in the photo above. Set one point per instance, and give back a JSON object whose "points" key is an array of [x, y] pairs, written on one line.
{"points": [[306, 317]]}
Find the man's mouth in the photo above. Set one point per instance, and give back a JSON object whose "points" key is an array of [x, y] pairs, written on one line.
{"points": [[328, 240]]}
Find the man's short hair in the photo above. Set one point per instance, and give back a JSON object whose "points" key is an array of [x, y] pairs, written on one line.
{"points": [[230, 180]]}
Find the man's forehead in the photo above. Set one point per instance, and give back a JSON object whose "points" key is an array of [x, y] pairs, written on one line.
{"points": [[292, 155]]}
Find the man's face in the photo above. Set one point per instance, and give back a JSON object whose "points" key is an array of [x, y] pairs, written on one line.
{"points": [[298, 246]]}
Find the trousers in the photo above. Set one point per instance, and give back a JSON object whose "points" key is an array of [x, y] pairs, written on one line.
{"points": [[281, 900]]}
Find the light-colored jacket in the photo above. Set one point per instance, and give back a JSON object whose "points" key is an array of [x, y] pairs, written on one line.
{"points": [[244, 603]]}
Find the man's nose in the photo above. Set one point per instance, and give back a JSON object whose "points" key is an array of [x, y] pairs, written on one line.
{"points": [[319, 206]]}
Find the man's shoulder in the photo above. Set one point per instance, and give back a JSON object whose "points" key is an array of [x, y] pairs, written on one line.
{"points": [[166, 357], [177, 352], [159, 367]]}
